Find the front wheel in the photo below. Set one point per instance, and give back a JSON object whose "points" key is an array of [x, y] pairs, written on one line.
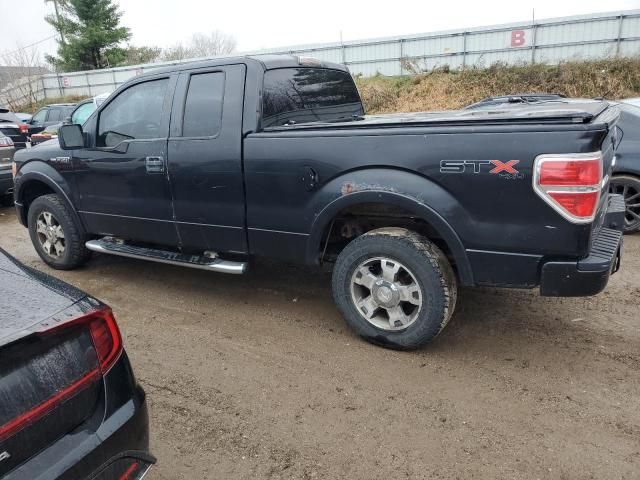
{"points": [[629, 187], [394, 288], [55, 234]]}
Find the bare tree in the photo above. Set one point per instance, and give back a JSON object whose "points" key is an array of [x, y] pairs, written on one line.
{"points": [[201, 45], [22, 71]]}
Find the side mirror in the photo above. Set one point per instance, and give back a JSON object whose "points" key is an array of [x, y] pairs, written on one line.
{"points": [[70, 137]]}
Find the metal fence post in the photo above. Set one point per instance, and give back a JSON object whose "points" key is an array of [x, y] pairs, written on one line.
{"points": [[86, 76], [464, 50], [534, 31], [619, 35], [401, 56]]}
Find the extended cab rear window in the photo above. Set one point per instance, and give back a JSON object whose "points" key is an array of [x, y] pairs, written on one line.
{"points": [[300, 95]]}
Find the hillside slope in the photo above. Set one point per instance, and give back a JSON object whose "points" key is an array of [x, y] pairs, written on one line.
{"points": [[442, 89]]}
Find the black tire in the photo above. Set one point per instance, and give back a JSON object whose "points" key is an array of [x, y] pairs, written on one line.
{"points": [[75, 253], [426, 264], [629, 187]]}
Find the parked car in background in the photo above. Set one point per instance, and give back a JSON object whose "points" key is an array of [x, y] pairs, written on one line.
{"points": [[626, 171], [71, 408], [49, 115], [7, 150], [12, 127], [208, 164], [24, 117], [79, 115]]}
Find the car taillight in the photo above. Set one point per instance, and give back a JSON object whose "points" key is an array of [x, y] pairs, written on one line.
{"points": [[570, 183], [6, 142], [106, 338], [108, 346], [24, 128], [104, 333]]}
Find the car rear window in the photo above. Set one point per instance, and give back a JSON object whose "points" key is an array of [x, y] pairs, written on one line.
{"points": [[300, 95], [203, 107]]}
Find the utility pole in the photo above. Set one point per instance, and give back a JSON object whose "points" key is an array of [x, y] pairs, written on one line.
{"points": [[55, 7]]}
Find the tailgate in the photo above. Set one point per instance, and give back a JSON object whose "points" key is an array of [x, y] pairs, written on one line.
{"points": [[608, 148]]}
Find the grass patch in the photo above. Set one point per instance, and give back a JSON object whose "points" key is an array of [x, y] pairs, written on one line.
{"points": [[442, 89]]}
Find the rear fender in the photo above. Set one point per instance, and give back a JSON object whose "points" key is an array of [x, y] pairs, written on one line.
{"points": [[427, 200]]}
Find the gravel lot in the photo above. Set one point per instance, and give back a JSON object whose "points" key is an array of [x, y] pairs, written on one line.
{"points": [[258, 377]]}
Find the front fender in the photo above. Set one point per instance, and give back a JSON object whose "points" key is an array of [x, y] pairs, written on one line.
{"points": [[39, 171], [412, 192]]}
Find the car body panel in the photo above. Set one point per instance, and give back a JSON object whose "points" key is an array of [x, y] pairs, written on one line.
{"points": [[99, 423]]}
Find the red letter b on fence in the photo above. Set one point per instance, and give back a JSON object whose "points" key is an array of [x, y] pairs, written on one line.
{"points": [[517, 38]]}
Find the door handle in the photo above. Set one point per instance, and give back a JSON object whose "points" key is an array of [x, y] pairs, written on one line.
{"points": [[154, 164]]}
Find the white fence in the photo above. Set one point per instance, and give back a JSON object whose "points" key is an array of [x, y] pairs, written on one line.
{"points": [[543, 41]]}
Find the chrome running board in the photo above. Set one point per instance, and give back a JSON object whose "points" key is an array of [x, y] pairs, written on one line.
{"points": [[113, 246]]}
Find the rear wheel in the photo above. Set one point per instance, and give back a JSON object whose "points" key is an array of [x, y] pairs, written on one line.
{"points": [[629, 187], [55, 234], [394, 288]]}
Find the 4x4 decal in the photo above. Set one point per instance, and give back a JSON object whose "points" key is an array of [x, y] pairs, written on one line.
{"points": [[496, 167]]}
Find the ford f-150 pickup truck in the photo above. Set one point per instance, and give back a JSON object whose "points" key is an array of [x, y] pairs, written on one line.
{"points": [[209, 164]]}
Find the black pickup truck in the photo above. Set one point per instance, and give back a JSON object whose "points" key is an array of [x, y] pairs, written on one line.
{"points": [[208, 164]]}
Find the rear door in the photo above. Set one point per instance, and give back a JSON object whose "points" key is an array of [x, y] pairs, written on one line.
{"points": [[122, 186], [205, 159]]}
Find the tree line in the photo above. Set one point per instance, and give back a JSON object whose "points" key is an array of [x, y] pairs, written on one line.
{"points": [[90, 36]]}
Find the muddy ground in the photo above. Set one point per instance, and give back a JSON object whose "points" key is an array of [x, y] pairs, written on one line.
{"points": [[258, 377]]}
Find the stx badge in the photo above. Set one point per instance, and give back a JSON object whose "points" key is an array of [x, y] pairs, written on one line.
{"points": [[503, 169]]}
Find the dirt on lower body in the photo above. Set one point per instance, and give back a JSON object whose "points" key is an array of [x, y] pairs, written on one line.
{"points": [[257, 376]]}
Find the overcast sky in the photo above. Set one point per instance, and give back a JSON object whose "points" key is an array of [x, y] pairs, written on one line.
{"points": [[260, 24]]}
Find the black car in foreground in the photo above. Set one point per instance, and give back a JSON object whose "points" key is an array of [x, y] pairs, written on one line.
{"points": [[626, 170], [70, 407]]}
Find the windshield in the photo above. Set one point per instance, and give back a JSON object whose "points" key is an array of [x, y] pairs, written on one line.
{"points": [[301, 95], [82, 113]]}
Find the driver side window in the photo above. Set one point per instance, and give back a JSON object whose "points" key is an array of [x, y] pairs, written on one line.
{"points": [[134, 114]]}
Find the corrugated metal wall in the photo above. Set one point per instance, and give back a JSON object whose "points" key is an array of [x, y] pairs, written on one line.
{"points": [[545, 41]]}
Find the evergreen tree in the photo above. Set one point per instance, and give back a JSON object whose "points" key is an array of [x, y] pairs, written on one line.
{"points": [[90, 35]]}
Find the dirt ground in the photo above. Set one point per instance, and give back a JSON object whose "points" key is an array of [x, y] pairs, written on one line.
{"points": [[258, 377]]}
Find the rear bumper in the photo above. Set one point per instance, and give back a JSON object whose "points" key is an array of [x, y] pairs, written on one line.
{"points": [[590, 275], [120, 440]]}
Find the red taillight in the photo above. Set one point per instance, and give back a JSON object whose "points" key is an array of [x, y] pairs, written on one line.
{"points": [[108, 344], [24, 128], [104, 333], [570, 183], [106, 338], [571, 172]]}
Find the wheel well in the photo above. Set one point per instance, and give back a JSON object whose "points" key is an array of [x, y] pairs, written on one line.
{"points": [[359, 219], [33, 190]]}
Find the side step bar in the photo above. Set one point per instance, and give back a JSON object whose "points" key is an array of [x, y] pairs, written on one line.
{"points": [[113, 246]]}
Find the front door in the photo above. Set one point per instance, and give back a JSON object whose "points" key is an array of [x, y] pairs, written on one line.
{"points": [[121, 181], [205, 159]]}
